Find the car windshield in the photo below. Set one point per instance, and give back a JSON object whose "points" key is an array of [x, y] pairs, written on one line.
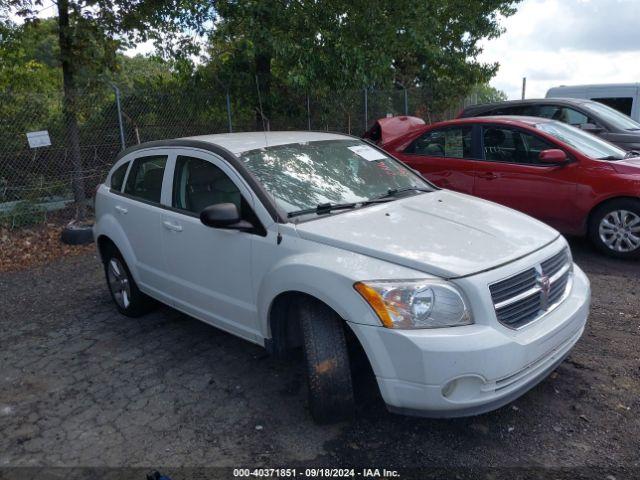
{"points": [[612, 116], [302, 176], [584, 142]]}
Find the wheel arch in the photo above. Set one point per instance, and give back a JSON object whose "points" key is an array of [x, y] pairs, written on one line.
{"points": [[108, 232], [105, 245], [602, 203], [284, 325]]}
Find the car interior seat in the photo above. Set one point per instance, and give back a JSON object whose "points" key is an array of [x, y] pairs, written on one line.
{"points": [[208, 185], [493, 144]]}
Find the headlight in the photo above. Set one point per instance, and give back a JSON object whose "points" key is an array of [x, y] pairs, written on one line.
{"points": [[416, 304]]}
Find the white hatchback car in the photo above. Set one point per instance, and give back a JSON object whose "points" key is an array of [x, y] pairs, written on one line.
{"points": [[312, 240]]}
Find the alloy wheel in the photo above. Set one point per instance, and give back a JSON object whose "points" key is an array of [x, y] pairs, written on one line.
{"points": [[619, 230], [119, 283]]}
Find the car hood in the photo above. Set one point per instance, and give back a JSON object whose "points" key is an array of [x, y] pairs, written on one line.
{"points": [[441, 233]]}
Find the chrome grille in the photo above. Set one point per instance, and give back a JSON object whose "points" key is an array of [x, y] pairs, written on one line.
{"points": [[524, 297]]}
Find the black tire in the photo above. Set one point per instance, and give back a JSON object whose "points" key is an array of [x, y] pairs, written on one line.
{"points": [[137, 303], [604, 211], [326, 357], [74, 234]]}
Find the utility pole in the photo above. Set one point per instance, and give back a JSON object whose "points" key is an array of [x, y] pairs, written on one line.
{"points": [[524, 86]]}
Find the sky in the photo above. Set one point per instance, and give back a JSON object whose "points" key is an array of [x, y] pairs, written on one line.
{"points": [[566, 42], [552, 42]]}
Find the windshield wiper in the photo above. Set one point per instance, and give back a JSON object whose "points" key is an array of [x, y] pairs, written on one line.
{"points": [[323, 208], [610, 157], [393, 192], [329, 207]]}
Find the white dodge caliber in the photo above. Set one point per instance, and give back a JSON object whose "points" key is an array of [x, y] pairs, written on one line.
{"points": [[319, 240]]}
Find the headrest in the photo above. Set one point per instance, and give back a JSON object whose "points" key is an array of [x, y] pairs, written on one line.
{"points": [[205, 175], [494, 137]]}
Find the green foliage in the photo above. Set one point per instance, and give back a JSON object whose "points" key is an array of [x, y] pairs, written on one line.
{"points": [[485, 93], [23, 214], [350, 44]]}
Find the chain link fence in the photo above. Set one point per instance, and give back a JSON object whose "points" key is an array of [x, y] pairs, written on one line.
{"points": [[37, 183]]}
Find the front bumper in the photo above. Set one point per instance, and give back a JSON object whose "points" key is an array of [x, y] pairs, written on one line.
{"points": [[473, 369]]}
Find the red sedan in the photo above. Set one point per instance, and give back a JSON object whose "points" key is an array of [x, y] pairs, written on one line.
{"points": [[565, 177]]}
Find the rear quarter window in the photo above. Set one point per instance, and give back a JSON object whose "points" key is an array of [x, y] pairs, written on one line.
{"points": [[117, 177]]}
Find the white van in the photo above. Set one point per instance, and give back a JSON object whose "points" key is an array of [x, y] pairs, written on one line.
{"points": [[624, 97]]}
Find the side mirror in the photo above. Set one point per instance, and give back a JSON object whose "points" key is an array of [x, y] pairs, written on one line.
{"points": [[553, 155], [591, 128], [224, 215]]}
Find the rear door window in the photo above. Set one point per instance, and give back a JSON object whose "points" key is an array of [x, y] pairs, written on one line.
{"points": [[450, 142], [145, 178]]}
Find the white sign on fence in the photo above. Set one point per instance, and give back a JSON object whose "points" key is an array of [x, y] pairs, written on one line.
{"points": [[38, 139]]}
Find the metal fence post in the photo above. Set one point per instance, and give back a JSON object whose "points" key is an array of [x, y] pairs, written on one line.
{"points": [[308, 113], [366, 109], [229, 111], [120, 124], [406, 101]]}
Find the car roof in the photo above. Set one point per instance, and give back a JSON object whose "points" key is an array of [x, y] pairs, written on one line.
{"points": [[529, 101], [502, 119], [244, 141]]}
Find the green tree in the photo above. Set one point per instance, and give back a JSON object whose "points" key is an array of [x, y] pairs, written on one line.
{"points": [[349, 44], [485, 93], [89, 34]]}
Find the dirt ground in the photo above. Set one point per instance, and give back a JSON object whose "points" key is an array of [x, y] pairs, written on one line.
{"points": [[82, 386]]}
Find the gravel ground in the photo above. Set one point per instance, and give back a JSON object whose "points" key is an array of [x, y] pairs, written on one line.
{"points": [[82, 386]]}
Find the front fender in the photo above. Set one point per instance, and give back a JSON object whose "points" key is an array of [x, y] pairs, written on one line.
{"points": [[328, 275]]}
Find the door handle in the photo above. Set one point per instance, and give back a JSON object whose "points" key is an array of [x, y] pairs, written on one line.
{"points": [[121, 210], [172, 226], [488, 176]]}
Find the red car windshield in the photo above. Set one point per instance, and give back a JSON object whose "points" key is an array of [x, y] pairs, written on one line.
{"points": [[584, 142]]}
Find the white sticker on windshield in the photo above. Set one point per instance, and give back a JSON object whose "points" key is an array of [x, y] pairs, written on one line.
{"points": [[368, 153]]}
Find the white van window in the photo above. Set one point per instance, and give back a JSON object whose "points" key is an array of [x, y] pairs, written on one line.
{"points": [[621, 104]]}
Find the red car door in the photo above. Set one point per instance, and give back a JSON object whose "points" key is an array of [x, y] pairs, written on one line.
{"points": [[444, 156], [511, 174]]}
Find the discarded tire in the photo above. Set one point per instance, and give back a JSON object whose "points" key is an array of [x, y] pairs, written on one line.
{"points": [[77, 234]]}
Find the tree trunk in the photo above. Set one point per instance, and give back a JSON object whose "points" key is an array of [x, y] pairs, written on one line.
{"points": [[69, 107]]}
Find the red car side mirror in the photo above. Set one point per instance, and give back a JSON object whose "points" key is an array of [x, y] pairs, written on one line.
{"points": [[554, 155]]}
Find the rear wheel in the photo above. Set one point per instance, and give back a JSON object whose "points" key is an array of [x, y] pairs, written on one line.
{"points": [[327, 363], [615, 228], [125, 293]]}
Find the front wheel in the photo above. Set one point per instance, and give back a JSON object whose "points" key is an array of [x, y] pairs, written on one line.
{"points": [[615, 228], [125, 293], [327, 363]]}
